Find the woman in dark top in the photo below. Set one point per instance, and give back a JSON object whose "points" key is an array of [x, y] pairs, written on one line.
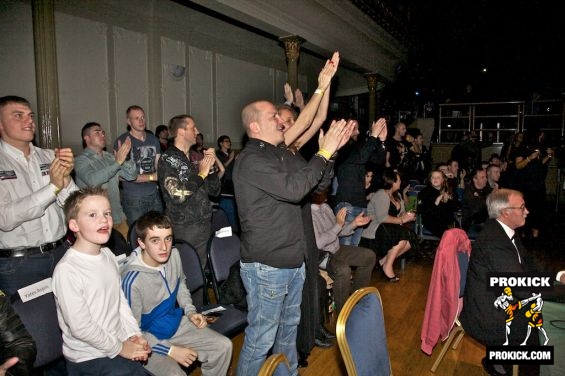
{"points": [[419, 160], [162, 133], [386, 234], [227, 157], [196, 152], [436, 204]]}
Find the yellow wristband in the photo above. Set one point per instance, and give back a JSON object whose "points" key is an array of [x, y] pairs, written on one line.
{"points": [[319, 91], [151, 177], [55, 189], [324, 153], [202, 175]]}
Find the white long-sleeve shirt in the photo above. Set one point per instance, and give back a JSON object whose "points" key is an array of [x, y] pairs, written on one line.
{"points": [[93, 313], [30, 212]]}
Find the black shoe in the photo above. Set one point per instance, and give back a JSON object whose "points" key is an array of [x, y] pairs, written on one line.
{"points": [[326, 333], [302, 360], [323, 343], [489, 368]]}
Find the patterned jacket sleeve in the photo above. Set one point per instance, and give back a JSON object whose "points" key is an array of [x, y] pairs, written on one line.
{"points": [[178, 185], [15, 340]]}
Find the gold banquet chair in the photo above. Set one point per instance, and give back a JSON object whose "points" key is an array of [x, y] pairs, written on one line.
{"points": [[361, 334], [273, 363]]}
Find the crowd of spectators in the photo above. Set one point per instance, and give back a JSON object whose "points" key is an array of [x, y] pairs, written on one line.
{"points": [[363, 223]]}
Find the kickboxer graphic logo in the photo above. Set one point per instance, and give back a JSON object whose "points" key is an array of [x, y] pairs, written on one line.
{"points": [[512, 306]]}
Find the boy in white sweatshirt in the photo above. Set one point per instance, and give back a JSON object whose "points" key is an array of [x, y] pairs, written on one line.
{"points": [[100, 333]]}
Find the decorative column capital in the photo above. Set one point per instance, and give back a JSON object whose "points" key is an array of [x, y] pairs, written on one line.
{"points": [[373, 80], [292, 45]]}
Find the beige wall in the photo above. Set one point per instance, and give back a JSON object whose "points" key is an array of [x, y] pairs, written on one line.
{"points": [[155, 53]]}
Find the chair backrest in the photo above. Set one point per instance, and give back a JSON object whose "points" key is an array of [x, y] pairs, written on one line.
{"points": [[275, 363], [361, 334], [222, 254], [132, 237], [39, 316], [418, 187], [413, 182], [421, 231], [219, 220], [118, 244], [192, 268], [232, 320]]}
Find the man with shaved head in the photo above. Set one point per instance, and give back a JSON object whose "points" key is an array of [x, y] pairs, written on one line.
{"points": [[268, 192]]}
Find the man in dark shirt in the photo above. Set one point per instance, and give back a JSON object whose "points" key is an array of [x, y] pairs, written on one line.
{"points": [[397, 147], [186, 186], [351, 175], [268, 192]]}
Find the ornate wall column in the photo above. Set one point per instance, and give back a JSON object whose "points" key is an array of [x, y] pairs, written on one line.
{"points": [[46, 73], [372, 83], [292, 45]]}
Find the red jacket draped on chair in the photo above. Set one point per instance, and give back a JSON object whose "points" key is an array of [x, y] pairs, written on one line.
{"points": [[444, 303]]}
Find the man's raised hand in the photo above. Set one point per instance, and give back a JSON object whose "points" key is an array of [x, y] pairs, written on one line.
{"points": [[379, 129]]}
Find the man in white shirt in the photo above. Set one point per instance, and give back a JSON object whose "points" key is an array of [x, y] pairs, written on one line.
{"points": [[34, 184]]}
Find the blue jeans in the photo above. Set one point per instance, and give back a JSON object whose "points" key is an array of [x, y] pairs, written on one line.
{"points": [[352, 212], [135, 206], [228, 205], [273, 299], [18, 272]]}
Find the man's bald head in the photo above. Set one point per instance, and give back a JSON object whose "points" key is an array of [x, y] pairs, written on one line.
{"points": [[251, 113]]}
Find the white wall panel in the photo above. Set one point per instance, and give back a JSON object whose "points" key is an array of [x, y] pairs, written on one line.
{"points": [[131, 72], [174, 71], [17, 65], [201, 92], [83, 76], [239, 83]]}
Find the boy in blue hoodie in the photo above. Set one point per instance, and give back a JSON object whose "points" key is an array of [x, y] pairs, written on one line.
{"points": [[153, 282]]}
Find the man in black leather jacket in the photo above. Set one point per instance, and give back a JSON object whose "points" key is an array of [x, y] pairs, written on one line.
{"points": [[15, 342]]}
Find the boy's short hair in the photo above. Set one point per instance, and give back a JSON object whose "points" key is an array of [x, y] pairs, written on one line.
{"points": [[72, 205], [13, 99], [149, 220]]}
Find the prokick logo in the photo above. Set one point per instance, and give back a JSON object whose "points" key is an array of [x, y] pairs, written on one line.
{"points": [[521, 301]]}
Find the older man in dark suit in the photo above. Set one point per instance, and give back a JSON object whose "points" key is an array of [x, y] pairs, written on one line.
{"points": [[496, 250]]}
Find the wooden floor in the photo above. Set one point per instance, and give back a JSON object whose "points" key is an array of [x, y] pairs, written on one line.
{"points": [[404, 303]]}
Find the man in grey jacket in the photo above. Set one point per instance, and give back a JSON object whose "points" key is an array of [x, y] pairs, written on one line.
{"points": [[95, 166]]}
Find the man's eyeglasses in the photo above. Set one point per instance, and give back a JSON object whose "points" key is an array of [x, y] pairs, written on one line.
{"points": [[521, 208]]}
